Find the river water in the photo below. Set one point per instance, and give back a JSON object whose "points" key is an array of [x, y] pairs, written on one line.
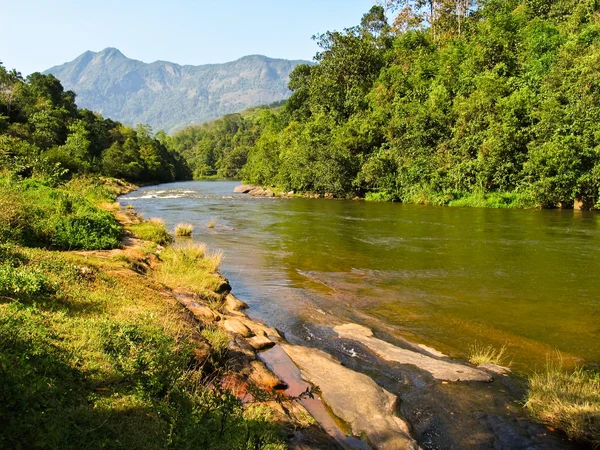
{"points": [[449, 278]]}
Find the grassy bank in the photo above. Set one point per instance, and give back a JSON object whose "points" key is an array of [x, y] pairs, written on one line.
{"points": [[94, 350], [569, 401]]}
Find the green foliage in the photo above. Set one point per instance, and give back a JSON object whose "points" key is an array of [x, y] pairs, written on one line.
{"points": [[44, 134], [35, 214], [491, 103], [220, 148]]}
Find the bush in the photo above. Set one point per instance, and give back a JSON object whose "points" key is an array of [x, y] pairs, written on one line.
{"points": [[23, 282], [34, 214]]}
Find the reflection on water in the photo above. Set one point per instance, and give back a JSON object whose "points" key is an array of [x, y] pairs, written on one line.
{"points": [[447, 277]]}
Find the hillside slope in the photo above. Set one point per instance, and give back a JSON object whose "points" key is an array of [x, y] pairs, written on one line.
{"points": [[170, 96]]}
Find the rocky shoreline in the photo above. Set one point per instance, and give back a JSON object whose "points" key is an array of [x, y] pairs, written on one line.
{"points": [[388, 394]]}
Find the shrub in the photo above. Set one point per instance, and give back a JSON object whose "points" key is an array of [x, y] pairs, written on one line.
{"points": [[34, 214], [21, 282]]}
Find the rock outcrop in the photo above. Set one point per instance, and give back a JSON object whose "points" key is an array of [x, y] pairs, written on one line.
{"points": [[438, 368], [354, 398]]}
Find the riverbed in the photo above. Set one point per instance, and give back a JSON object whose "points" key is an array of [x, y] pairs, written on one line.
{"points": [[449, 278]]}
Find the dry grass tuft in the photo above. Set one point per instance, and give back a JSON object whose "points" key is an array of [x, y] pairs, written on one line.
{"points": [[211, 223], [184, 229], [190, 266], [482, 354], [569, 401]]}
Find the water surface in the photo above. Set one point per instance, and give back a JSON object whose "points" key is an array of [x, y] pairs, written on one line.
{"points": [[446, 277]]}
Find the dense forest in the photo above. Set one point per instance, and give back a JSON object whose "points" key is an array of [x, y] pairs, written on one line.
{"points": [[43, 133], [490, 103], [220, 148]]}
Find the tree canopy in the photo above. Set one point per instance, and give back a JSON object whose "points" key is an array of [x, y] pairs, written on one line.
{"points": [[451, 100], [43, 132]]}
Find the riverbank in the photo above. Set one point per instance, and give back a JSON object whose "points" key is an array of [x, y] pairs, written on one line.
{"points": [[121, 330], [95, 349], [499, 200]]}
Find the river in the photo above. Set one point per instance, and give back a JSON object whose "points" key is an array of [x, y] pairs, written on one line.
{"points": [[449, 278]]}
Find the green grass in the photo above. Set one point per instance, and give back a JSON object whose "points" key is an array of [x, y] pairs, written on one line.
{"points": [[483, 354], [218, 340], [153, 230], [190, 266], [569, 401], [498, 200], [34, 214], [93, 355]]}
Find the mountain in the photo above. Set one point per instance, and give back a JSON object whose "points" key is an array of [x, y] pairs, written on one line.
{"points": [[169, 96]]}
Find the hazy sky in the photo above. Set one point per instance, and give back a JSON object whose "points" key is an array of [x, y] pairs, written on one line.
{"points": [[37, 34]]}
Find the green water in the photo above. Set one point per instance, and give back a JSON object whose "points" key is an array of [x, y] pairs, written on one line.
{"points": [[446, 277]]}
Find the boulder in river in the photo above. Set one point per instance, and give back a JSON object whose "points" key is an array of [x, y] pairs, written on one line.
{"points": [[243, 189]]}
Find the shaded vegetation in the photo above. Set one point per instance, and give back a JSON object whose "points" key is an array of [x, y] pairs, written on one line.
{"points": [[93, 354], [569, 401]]}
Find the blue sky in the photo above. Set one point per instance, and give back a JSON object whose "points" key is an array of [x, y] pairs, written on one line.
{"points": [[39, 34]]}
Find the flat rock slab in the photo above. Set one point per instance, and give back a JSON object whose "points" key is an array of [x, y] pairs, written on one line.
{"points": [[355, 398], [439, 369]]}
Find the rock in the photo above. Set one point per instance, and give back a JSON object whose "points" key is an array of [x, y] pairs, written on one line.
{"points": [[263, 377], [494, 368], [355, 398], [291, 193], [439, 369], [256, 191], [432, 351], [269, 193], [236, 327], [243, 189], [224, 287], [233, 304], [328, 195], [203, 313], [261, 329], [260, 342]]}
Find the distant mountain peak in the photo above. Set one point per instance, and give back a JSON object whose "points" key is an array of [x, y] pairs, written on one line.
{"points": [[170, 96]]}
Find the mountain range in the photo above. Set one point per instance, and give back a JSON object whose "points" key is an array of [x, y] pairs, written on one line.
{"points": [[170, 96]]}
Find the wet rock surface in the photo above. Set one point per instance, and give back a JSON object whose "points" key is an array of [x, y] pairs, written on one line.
{"points": [[355, 398], [438, 368], [443, 415]]}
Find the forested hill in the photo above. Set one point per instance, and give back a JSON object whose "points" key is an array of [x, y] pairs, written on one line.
{"points": [[168, 96], [45, 135], [491, 103]]}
